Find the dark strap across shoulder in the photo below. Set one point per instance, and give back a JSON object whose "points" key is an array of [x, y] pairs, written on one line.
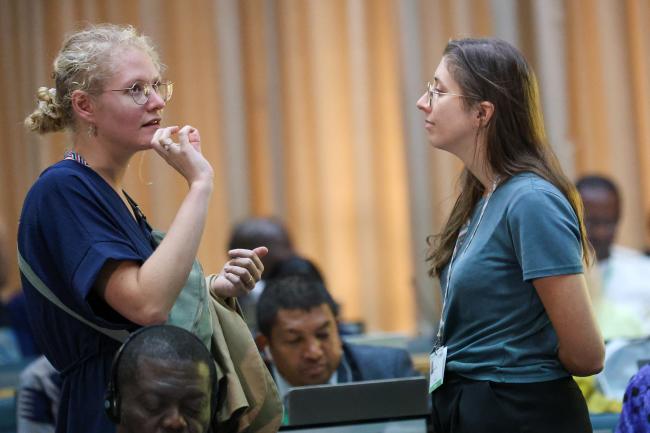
{"points": [[142, 220]]}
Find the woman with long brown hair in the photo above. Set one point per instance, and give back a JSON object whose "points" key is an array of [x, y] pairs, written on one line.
{"points": [[516, 318]]}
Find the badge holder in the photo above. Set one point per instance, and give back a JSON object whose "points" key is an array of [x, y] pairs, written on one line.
{"points": [[437, 361]]}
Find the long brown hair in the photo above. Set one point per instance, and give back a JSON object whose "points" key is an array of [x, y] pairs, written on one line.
{"points": [[495, 71]]}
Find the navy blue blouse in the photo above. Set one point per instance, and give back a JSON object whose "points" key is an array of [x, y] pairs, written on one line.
{"points": [[72, 222]]}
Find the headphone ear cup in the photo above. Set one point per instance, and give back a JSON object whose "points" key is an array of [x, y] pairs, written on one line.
{"points": [[112, 396]]}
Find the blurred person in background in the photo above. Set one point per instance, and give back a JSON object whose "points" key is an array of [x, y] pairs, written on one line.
{"points": [[281, 260], [38, 396], [17, 334], [620, 280], [635, 416]]}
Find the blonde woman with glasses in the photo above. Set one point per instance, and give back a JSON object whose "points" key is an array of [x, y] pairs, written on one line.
{"points": [[516, 318], [83, 239]]}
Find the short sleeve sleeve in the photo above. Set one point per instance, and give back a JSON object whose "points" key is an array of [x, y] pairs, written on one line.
{"points": [[545, 234], [81, 230]]}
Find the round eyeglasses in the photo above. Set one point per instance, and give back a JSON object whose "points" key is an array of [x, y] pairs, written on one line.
{"points": [[140, 91]]}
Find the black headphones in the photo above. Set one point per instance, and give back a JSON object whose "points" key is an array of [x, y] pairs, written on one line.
{"points": [[112, 399]]}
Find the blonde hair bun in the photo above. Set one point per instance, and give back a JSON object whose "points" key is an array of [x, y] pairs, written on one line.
{"points": [[47, 116]]}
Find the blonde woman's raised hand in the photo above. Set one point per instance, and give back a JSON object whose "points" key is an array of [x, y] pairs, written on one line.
{"points": [[240, 274], [185, 156]]}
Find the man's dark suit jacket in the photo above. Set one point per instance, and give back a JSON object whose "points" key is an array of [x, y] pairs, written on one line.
{"points": [[361, 362]]}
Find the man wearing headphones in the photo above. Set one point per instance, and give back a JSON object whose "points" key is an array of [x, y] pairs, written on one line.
{"points": [[163, 379]]}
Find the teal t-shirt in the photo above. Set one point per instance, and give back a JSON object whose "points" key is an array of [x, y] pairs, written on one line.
{"points": [[496, 327]]}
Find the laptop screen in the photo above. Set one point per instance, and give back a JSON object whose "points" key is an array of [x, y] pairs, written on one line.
{"points": [[416, 425], [381, 401]]}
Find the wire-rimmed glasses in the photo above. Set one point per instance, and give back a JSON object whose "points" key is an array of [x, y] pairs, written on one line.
{"points": [[431, 91], [140, 91]]}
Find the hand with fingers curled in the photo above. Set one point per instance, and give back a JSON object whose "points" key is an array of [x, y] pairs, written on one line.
{"points": [[195, 138], [185, 156], [240, 274]]}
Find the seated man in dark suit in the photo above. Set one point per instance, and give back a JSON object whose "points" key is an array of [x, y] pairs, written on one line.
{"points": [[163, 379], [297, 321]]}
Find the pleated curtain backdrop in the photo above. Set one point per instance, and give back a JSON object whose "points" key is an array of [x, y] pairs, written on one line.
{"points": [[307, 111]]}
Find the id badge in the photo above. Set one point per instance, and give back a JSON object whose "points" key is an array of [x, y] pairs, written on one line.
{"points": [[437, 367]]}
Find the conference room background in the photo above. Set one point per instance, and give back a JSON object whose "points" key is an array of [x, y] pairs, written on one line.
{"points": [[307, 111]]}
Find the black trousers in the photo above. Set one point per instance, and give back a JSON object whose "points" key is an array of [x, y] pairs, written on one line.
{"points": [[462, 405]]}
